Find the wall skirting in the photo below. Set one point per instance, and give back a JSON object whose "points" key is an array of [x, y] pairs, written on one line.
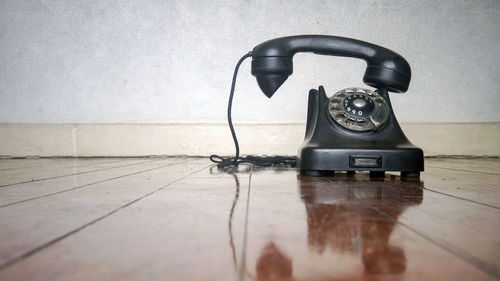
{"points": [[16, 140]]}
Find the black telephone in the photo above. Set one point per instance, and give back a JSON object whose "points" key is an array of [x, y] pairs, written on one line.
{"points": [[355, 129]]}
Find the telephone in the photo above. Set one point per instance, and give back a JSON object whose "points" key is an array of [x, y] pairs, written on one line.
{"points": [[353, 130]]}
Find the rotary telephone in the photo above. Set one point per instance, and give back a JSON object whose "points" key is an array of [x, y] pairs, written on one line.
{"points": [[353, 130]]}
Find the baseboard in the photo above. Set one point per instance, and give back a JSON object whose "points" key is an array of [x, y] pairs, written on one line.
{"points": [[17, 140]]}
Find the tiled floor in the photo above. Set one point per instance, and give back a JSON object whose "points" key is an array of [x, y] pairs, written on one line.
{"points": [[184, 219]]}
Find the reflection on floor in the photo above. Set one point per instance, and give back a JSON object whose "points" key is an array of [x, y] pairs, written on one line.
{"points": [[184, 219]]}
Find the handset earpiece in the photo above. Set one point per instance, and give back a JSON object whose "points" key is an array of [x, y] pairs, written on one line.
{"points": [[272, 61]]}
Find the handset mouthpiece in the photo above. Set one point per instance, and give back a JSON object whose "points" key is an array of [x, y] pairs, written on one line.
{"points": [[271, 72]]}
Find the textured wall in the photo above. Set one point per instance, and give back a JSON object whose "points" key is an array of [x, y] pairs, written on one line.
{"points": [[172, 61]]}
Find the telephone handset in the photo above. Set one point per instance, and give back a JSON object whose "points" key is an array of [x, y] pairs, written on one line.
{"points": [[272, 61], [355, 129]]}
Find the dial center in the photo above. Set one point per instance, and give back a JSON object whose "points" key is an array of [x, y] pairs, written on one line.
{"points": [[359, 103]]}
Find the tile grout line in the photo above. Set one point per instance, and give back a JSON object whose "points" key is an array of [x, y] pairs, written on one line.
{"points": [[73, 167], [461, 198], [464, 256], [461, 170], [245, 231], [81, 173], [89, 184], [78, 229], [36, 166]]}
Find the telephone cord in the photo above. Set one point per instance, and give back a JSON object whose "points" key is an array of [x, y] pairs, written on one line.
{"points": [[255, 160]]}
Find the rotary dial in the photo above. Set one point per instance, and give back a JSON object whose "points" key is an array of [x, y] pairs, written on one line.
{"points": [[358, 109]]}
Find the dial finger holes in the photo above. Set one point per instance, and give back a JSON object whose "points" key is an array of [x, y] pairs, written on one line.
{"points": [[358, 109], [335, 103], [340, 117], [361, 123]]}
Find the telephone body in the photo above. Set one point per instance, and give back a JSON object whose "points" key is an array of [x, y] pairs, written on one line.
{"points": [[355, 129]]}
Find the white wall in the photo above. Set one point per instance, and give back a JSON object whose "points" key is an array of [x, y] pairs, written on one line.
{"points": [[172, 61], [158, 73]]}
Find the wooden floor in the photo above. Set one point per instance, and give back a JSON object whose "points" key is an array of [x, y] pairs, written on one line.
{"points": [[184, 219]]}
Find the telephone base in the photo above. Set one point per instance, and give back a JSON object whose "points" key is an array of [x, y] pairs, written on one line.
{"points": [[321, 161], [319, 173], [330, 148]]}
